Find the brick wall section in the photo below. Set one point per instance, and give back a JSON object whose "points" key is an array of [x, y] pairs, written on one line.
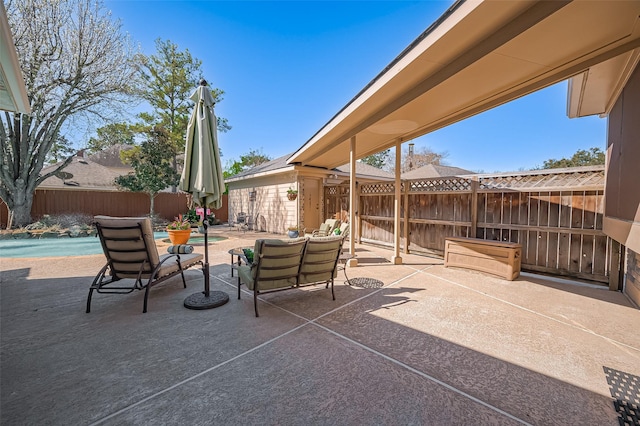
{"points": [[632, 282]]}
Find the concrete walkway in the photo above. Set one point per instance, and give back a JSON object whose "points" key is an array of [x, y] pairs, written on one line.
{"points": [[433, 346]]}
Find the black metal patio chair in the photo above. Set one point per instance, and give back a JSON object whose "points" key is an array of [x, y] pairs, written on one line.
{"points": [[133, 262]]}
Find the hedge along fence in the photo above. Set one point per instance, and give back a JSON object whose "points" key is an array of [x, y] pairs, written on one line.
{"points": [[167, 205], [556, 215]]}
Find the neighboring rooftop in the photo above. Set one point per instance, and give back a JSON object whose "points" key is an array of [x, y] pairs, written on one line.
{"points": [[362, 169], [84, 174], [275, 164], [432, 170], [110, 157]]}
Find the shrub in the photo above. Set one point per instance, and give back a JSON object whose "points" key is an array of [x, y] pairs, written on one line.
{"points": [[63, 221]]}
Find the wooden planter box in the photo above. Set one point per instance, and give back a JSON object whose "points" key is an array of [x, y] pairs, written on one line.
{"points": [[494, 257]]}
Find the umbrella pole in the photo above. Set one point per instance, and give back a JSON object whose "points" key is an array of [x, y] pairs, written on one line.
{"points": [[205, 267], [206, 299]]}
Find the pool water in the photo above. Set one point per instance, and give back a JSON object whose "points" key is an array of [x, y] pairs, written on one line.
{"points": [[50, 247]]}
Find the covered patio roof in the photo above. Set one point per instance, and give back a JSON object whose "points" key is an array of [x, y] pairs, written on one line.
{"points": [[13, 93], [478, 55]]}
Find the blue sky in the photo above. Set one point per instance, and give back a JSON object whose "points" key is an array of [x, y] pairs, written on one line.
{"points": [[287, 67]]}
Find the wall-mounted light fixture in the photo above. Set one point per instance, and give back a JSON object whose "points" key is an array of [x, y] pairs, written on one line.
{"points": [[333, 179]]}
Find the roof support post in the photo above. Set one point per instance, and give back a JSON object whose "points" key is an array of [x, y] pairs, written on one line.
{"points": [[396, 259], [405, 231], [352, 201]]}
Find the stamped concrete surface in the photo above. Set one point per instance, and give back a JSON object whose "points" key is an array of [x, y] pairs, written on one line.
{"points": [[434, 345]]}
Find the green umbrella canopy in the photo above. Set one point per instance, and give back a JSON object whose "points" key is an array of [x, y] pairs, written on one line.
{"points": [[202, 172]]}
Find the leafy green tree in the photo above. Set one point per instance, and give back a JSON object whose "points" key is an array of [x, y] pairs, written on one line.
{"points": [[169, 78], [379, 159], [151, 162], [233, 168], [591, 157], [247, 161], [110, 135], [60, 149], [253, 158], [77, 64]]}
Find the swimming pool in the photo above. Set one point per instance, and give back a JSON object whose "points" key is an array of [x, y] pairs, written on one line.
{"points": [[50, 247]]}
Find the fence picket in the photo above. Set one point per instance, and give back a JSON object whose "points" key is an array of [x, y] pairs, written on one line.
{"points": [[558, 224]]}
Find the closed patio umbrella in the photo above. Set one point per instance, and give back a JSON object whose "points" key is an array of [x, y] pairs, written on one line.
{"points": [[202, 178]]}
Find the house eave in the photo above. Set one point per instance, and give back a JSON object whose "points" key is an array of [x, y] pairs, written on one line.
{"points": [[483, 54], [261, 174], [595, 91], [13, 92]]}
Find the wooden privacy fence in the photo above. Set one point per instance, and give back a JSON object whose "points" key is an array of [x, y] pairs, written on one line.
{"points": [[167, 205], [556, 215]]}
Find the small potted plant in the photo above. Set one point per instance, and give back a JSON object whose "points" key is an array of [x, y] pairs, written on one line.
{"points": [[293, 231], [248, 254], [292, 194], [192, 217], [179, 230]]}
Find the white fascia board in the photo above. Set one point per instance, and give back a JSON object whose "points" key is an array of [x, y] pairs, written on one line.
{"points": [[595, 91], [263, 174], [10, 67]]}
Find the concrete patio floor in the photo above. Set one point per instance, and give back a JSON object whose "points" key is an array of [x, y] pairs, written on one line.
{"points": [[433, 346]]}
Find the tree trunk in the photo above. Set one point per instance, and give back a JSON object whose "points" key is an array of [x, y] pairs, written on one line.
{"points": [[174, 188], [20, 209], [151, 204]]}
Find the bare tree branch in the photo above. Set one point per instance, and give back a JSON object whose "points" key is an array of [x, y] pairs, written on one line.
{"points": [[75, 61]]}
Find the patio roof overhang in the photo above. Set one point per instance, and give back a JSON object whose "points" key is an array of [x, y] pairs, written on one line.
{"points": [[478, 55], [13, 93], [596, 90]]}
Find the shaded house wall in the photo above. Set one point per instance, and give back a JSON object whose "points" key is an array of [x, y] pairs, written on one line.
{"points": [[632, 284], [269, 207], [622, 201]]}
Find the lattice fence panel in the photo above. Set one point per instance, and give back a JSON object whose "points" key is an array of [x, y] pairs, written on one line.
{"points": [[561, 180], [440, 185], [377, 188], [331, 191]]}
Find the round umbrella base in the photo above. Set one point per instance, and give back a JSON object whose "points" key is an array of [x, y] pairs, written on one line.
{"points": [[200, 301]]}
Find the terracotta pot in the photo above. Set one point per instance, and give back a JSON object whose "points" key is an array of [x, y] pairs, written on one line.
{"points": [[179, 236]]}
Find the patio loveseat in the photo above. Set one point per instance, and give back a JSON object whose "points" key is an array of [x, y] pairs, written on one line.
{"points": [[326, 229], [287, 264]]}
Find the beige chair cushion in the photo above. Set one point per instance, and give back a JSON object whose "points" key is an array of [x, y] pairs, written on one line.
{"points": [[333, 223], [344, 229], [171, 265], [276, 264], [135, 250], [129, 250], [320, 259]]}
